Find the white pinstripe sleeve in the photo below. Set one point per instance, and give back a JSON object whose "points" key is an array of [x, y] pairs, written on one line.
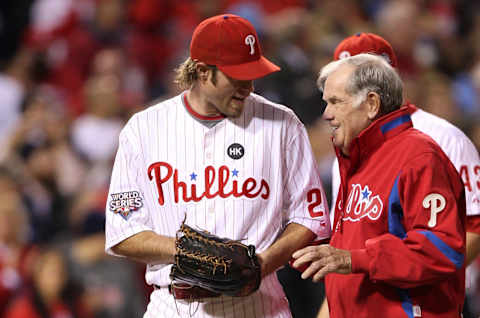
{"points": [[459, 149], [126, 214], [305, 201], [465, 158]]}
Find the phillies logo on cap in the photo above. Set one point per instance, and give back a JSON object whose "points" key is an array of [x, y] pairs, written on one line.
{"points": [[250, 40], [344, 55], [231, 43]]}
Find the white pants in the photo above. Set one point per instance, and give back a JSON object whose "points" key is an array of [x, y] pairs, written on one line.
{"points": [[268, 302]]}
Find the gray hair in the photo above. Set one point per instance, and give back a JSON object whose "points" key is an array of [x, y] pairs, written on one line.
{"points": [[372, 74]]}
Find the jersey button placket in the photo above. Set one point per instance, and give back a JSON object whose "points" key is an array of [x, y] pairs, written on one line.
{"points": [[208, 146], [211, 207]]}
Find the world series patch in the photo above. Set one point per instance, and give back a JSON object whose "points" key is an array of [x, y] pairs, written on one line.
{"points": [[125, 202]]}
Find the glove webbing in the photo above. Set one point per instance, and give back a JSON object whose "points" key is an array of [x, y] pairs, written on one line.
{"points": [[215, 260], [192, 234]]}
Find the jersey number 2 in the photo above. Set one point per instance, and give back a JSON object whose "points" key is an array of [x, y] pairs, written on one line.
{"points": [[314, 198]]}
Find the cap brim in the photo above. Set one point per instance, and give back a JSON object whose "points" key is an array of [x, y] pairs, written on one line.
{"points": [[251, 70]]}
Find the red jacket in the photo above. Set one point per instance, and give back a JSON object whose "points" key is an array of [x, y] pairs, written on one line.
{"points": [[401, 212]]}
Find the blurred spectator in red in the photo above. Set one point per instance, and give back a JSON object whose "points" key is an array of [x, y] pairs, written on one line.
{"points": [[151, 43], [38, 149], [64, 46], [16, 254], [94, 134], [132, 81], [52, 293], [407, 14], [15, 82], [270, 7], [436, 96], [14, 17], [106, 295], [69, 41]]}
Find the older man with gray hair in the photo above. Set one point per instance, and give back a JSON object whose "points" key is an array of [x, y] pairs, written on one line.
{"points": [[398, 245]]}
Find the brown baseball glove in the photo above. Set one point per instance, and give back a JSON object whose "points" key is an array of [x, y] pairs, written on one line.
{"points": [[220, 265]]}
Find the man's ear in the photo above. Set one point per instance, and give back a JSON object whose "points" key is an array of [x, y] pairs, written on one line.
{"points": [[373, 105], [202, 71]]}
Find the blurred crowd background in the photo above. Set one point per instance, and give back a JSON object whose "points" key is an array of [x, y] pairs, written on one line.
{"points": [[72, 72]]}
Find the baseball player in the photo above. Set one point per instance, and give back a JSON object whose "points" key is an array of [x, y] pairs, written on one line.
{"points": [[456, 145], [226, 161], [398, 245]]}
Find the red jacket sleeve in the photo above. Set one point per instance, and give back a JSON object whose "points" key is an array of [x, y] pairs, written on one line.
{"points": [[427, 242]]}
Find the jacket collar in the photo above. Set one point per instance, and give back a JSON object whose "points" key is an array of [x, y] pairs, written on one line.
{"points": [[411, 108], [377, 133]]}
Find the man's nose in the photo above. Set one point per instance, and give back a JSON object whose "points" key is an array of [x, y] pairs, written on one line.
{"points": [[327, 114]]}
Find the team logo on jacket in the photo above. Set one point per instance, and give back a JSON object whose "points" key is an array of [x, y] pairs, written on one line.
{"points": [[125, 202], [436, 203], [362, 203], [235, 151], [222, 182]]}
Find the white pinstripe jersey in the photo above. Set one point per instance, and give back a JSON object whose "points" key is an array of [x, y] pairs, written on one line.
{"points": [[455, 144], [245, 178]]}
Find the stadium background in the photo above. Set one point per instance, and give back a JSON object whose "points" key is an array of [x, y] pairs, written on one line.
{"points": [[73, 71]]}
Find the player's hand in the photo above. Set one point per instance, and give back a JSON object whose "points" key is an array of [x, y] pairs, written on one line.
{"points": [[323, 259]]}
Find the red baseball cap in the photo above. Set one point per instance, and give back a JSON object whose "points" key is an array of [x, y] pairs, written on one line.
{"points": [[231, 44], [365, 43]]}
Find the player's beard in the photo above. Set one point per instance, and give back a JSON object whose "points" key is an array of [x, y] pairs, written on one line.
{"points": [[236, 107], [232, 108]]}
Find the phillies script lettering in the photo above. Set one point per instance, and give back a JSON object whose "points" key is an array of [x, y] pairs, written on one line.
{"points": [[250, 187], [361, 203]]}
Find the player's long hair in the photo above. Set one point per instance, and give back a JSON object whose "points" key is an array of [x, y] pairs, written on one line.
{"points": [[186, 74]]}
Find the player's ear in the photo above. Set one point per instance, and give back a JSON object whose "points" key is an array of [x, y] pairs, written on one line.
{"points": [[202, 71], [373, 103]]}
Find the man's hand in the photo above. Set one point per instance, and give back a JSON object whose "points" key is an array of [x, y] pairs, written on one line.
{"points": [[324, 259]]}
